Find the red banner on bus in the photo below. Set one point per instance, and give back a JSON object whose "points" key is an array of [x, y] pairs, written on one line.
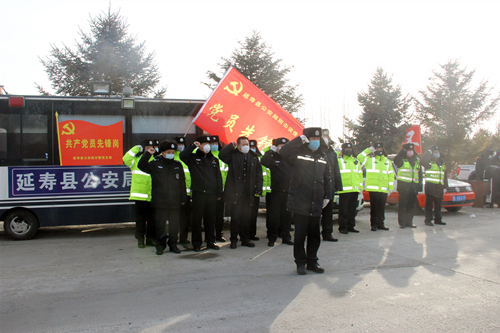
{"points": [[413, 136], [84, 143], [237, 108]]}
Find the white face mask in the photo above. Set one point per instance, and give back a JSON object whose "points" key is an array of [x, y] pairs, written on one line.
{"points": [[245, 149], [326, 140], [206, 149], [180, 147]]}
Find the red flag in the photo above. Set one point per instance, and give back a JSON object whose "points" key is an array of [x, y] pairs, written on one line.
{"points": [[413, 136], [84, 143], [237, 108]]}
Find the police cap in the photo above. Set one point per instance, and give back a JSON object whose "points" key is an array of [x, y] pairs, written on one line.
{"points": [[203, 139], [313, 132]]}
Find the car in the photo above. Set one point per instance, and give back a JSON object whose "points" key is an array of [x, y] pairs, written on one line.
{"points": [[466, 172]]}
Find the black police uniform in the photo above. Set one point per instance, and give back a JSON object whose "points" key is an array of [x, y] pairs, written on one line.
{"points": [[167, 195], [278, 218], [327, 214], [310, 184], [185, 219], [243, 182], [206, 187]]}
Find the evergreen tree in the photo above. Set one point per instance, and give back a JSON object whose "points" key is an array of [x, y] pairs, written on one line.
{"points": [[451, 109], [254, 60], [384, 117], [107, 53]]}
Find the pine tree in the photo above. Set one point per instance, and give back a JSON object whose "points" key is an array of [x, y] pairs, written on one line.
{"points": [[107, 53], [384, 117], [254, 60]]}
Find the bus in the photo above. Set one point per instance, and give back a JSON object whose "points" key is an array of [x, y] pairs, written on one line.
{"points": [[36, 190]]}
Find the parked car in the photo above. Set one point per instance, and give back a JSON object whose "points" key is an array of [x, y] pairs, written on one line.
{"points": [[466, 172]]}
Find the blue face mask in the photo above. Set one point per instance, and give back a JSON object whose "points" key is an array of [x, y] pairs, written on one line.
{"points": [[169, 156], [253, 149], [436, 155], [314, 144], [214, 147]]}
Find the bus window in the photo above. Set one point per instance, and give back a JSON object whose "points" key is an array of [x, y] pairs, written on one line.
{"points": [[35, 143], [156, 127], [10, 129]]}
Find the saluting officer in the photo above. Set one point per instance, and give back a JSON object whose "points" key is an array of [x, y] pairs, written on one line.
{"points": [[168, 193], [278, 218], [219, 213], [243, 183], [140, 192], [436, 183], [379, 182], [310, 191], [206, 189], [352, 184], [185, 221], [409, 175]]}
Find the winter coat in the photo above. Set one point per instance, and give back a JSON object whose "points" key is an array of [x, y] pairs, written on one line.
{"points": [[204, 170], [280, 171]]}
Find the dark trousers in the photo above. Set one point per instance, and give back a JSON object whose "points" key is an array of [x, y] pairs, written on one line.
{"points": [[172, 215], [219, 218], [253, 217], [240, 220], [204, 208], [278, 218], [145, 223], [327, 220], [407, 204], [348, 202], [430, 201], [185, 222], [377, 210], [306, 227]]}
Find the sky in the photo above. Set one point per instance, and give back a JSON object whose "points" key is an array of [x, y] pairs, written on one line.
{"points": [[334, 47]]}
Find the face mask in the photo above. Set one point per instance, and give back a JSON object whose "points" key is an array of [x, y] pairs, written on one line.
{"points": [[214, 147], [314, 144], [253, 149], [245, 149], [436, 155], [180, 148], [379, 153], [326, 140], [409, 153], [157, 150], [206, 149], [169, 156], [348, 153]]}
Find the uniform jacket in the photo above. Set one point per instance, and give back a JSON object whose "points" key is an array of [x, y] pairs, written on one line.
{"points": [[280, 171], [400, 159], [351, 173], [236, 182], [334, 167], [204, 170], [310, 180], [431, 188], [169, 184], [379, 172], [140, 188]]}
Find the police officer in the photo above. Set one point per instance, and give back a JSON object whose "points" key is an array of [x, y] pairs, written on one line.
{"points": [[310, 191], [409, 183], [255, 207], [483, 162], [168, 193], [243, 183], [352, 184], [436, 183], [206, 189], [140, 192], [219, 213], [278, 218], [185, 219], [327, 213], [379, 182]]}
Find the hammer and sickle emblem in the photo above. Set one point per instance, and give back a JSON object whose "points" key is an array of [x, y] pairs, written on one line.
{"points": [[70, 127], [234, 90]]}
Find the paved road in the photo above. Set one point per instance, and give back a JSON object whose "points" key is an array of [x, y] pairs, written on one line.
{"points": [[89, 279]]}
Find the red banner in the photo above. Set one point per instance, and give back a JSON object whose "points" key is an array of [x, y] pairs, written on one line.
{"points": [[413, 136], [84, 143], [237, 108]]}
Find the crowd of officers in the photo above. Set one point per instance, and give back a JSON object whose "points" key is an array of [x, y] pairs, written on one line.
{"points": [[194, 186], [488, 169]]}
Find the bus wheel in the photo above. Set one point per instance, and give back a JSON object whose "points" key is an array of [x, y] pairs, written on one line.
{"points": [[20, 224]]}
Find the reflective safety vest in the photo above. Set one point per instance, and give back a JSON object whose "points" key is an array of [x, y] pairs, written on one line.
{"points": [[351, 173], [266, 175], [435, 174], [379, 172], [224, 168], [187, 175], [407, 173], [140, 188]]}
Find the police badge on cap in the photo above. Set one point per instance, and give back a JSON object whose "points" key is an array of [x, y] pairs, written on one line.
{"points": [[378, 145], [203, 139], [214, 138], [346, 145], [180, 139], [282, 141], [312, 132], [408, 146], [253, 143], [166, 145]]}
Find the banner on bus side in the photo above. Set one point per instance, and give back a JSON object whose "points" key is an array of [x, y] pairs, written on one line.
{"points": [[84, 143], [79, 180]]}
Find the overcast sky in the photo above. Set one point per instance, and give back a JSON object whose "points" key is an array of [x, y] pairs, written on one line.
{"points": [[334, 46]]}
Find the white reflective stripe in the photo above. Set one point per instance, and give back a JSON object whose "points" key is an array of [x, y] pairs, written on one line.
{"points": [[188, 190], [320, 161], [363, 153], [384, 188], [372, 170], [385, 172], [305, 158], [345, 171], [346, 188], [264, 174], [404, 178], [391, 171], [139, 195], [431, 171], [139, 172], [432, 179], [369, 187], [391, 183], [131, 153], [186, 170]]}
